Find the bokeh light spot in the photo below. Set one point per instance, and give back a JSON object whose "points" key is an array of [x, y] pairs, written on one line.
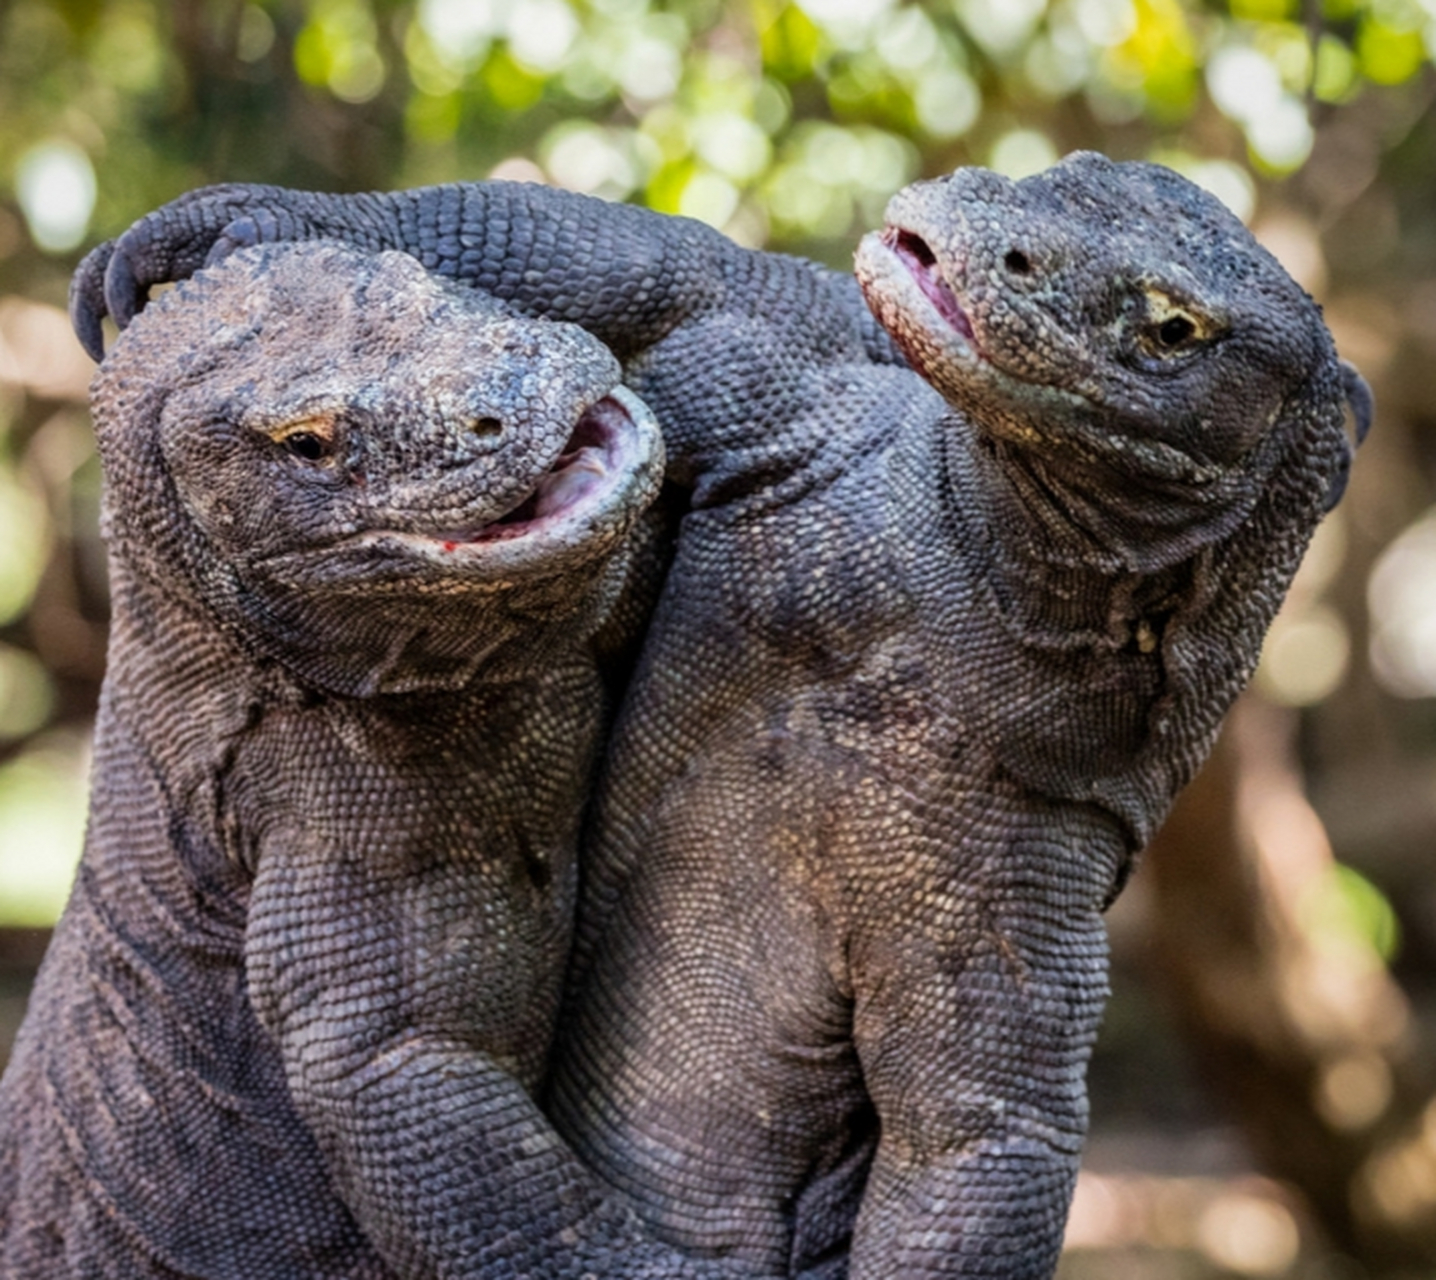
{"points": [[42, 827], [1249, 1234], [55, 185], [1022, 152]]}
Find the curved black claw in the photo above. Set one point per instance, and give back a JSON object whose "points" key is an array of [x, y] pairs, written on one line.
{"points": [[170, 244], [87, 300], [1363, 408], [125, 293], [1359, 397]]}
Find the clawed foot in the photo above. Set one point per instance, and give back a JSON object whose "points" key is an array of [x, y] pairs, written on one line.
{"points": [[170, 244]]}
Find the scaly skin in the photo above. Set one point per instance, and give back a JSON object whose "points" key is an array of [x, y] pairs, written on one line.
{"points": [[364, 527], [926, 672]]}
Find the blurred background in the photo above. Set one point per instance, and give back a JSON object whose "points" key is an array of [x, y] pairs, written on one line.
{"points": [[1264, 1094]]}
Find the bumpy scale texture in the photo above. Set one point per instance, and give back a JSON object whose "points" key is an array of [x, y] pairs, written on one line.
{"points": [[363, 526], [933, 658]]}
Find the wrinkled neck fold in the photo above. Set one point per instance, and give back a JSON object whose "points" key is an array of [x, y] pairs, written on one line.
{"points": [[1078, 556], [1106, 661]]}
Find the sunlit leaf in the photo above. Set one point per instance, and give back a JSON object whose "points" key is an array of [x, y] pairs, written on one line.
{"points": [[1336, 71], [1388, 56], [24, 537], [1265, 10], [1160, 55], [432, 118], [510, 86], [1345, 906], [42, 825], [665, 188], [788, 39]]}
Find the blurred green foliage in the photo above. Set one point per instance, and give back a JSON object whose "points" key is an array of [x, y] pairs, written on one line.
{"points": [[783, 122]]}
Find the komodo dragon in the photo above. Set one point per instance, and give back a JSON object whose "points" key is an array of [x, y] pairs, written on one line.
{"points": [[363, 528], [925, 675]]}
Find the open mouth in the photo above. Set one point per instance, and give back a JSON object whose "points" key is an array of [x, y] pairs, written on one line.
{"points": [[597, 451], [913, 252]]}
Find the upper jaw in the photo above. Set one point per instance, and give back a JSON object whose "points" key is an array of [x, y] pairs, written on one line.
{"points": [[607, 471], [916, 302], [915, 256]]}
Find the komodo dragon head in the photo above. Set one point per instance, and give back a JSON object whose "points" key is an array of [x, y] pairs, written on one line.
{"points": [[374, 477], [1120, 326]]}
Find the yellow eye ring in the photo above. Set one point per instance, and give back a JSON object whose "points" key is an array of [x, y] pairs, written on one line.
{"points": [[311, 439], [1171, 326]]}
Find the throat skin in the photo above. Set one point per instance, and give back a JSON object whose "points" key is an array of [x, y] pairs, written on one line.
{"points": [[1086, 625]]}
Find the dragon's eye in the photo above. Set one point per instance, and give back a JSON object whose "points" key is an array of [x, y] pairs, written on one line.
{"points": [[307, 445], [1175, 331], [310, 439], [1172, 328]]}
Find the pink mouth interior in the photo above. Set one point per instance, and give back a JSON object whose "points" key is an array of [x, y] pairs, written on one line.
{"points": [[584, 466], [915, 255]]}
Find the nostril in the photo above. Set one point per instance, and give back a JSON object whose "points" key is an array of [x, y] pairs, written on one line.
{"points": [[1017, 262], [486, 426]]}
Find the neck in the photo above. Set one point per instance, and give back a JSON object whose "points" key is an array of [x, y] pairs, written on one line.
{"points": [[1066, 572], [181, 686], [1103, 665]]}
